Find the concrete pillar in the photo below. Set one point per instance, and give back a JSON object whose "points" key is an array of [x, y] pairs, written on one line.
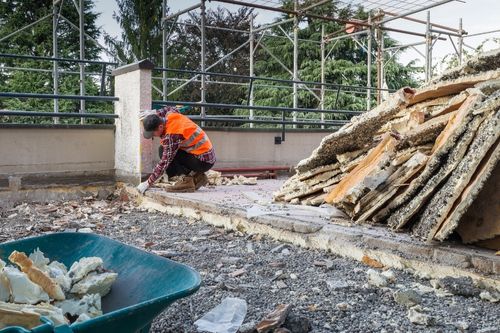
{"points": [[133, 153]]}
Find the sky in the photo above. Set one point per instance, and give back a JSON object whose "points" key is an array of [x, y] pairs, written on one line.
{"points": [[477, 16]]}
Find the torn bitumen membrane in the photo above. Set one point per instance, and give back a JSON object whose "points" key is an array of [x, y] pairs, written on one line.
{"points": [[327, 292]]}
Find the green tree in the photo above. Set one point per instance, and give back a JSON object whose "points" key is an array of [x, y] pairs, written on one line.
{"points": [[184, 53], [141, 35], [37, 41], [345, 64]]}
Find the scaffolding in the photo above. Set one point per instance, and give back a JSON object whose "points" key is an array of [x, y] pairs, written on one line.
{"points": [[365, 33]]}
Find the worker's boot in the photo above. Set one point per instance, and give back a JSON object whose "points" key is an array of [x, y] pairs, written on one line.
{"points": [[182, 184], [200, 179]]}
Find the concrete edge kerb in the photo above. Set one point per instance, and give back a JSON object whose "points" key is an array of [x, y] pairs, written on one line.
{"points": [[427, 260], [142, 64]]}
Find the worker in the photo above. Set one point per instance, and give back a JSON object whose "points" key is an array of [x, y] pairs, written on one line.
{"points": [[186, 152]]}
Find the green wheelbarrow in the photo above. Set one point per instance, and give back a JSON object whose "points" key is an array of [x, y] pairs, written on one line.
{"points": [[146, 285]]}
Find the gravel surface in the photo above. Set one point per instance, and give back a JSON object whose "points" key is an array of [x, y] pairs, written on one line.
{"points": [[330, 293]]}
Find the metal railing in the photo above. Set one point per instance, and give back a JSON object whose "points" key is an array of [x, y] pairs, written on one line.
{"points": [[206, 120], [55, 96]]}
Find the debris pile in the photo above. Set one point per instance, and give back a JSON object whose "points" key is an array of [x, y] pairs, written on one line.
{"points": [[44, 288], [86, 215], [424, 160]]}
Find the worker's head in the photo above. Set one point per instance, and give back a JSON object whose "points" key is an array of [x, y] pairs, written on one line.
{"points": [[154, 125]]}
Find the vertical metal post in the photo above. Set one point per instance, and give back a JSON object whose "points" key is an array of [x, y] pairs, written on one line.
{"points": [[295, 61], [203, 86], [251, 55], [164, 50], [322, 96], [379, 64], [369, 66], [428, 46], [82, 57], [55, 65], [460, 42]]}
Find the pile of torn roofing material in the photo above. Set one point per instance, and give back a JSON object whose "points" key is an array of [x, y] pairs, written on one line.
{"points": [[425, 160], [38, 287]]}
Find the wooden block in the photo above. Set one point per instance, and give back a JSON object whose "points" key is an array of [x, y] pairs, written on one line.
{"points": [[452, 87], [456, 120], [383, 150], [316, 171], [453, 105], [376, 199]]}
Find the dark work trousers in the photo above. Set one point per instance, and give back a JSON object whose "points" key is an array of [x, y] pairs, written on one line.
{"points": [[183, 163]]}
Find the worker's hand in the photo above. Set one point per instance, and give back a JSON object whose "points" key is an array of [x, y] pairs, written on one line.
{"points": [[144, 113], [142, 187]]}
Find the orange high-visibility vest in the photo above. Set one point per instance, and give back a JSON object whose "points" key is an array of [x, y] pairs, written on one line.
{"points": [[195, 141]]}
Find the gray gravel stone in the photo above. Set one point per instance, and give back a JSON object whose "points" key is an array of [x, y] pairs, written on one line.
{"points": [[416, 315], [297, 324], [407, 297], [463, 286], [373, 309]]}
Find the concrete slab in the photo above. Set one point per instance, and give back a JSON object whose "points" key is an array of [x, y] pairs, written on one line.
{"points": [[235, 207]]}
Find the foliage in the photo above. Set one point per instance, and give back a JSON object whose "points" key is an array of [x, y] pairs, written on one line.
{"points": [[37, 41]]}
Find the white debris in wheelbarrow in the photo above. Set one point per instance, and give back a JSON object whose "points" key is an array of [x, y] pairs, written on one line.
{"points": [[45, 288]]}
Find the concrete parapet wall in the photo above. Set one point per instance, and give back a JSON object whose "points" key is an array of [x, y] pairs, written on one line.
{"points": [[56, 149], [241, 148]]}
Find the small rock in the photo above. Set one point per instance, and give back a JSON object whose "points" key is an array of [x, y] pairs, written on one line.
{"points": [[279, 275], [278, 248], [204, 232], [274, 319], [293, 276], [280, 284], [237, 273], [462, 286], [336, 285], [462, 326], [376, 279], [343, 306], [285, 251], [297, 324], [85, 230], [492, 297], [230, 260], [248, 327], [435, 284], [407, 297], [417, 316], [389, 275]]}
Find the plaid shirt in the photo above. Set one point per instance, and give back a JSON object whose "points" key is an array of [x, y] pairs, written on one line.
{"points": [[170, 143]]}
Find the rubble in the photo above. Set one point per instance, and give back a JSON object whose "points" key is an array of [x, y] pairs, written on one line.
{"points": [[89, 305], [417, 315], [274, 319], [28, 316], [94, 283], [84, 266], [215, 178], [22, 289], [425, 160], [459, 286], [407, 297], [373, 308], [51, 287], [44, 288]]}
